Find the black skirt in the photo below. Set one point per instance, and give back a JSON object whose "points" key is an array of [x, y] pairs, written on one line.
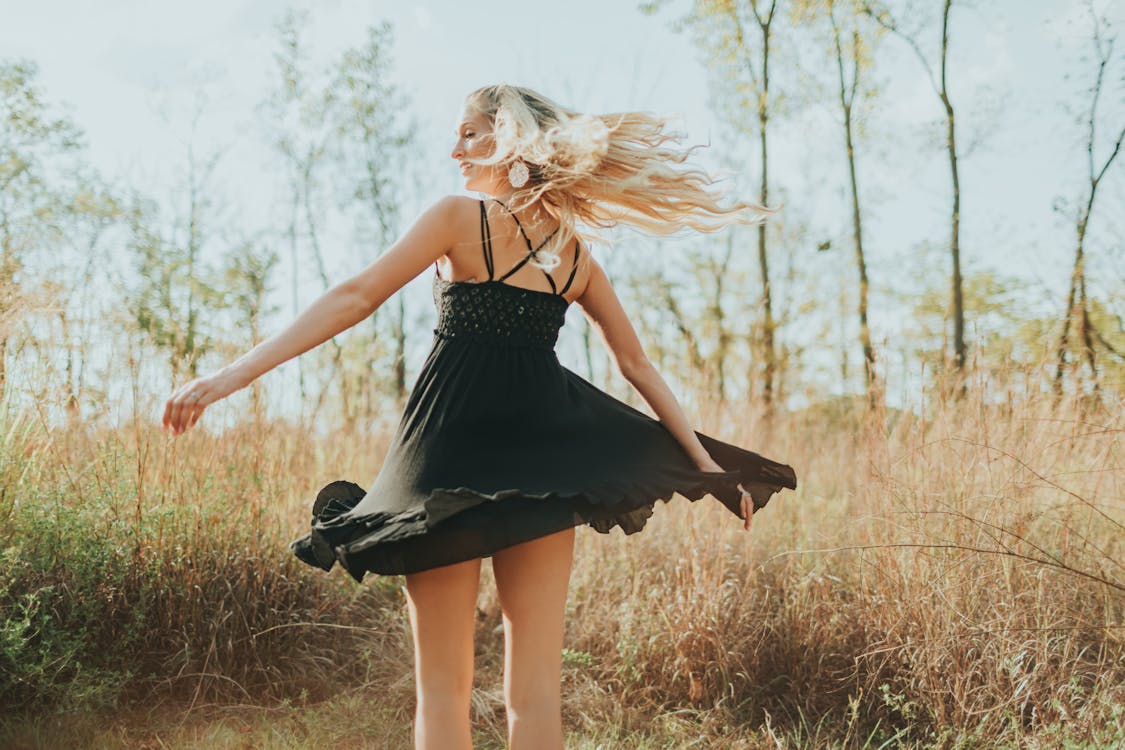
{"points": [[500, 443]]}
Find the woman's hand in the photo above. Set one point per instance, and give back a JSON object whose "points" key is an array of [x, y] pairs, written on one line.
{"points": [[185, 406], [747, 507], [708, 464]]}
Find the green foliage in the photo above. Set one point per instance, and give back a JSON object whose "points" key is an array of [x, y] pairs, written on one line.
{"points": [[572, 658], [1005, 334], [38, 149], [186, 304], [176, 289], [246, 284], [54, 581], [106, 599]]}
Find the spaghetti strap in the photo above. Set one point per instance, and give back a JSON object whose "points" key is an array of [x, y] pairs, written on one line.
{"points": [[486, 240], [573, 267], [530, 250], [517, 266]]}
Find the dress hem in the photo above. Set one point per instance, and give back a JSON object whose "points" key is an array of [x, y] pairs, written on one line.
{"points": [[387, 543]]}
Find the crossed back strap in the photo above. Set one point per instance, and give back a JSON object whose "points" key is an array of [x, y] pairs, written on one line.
{"points": [[486, 242], [486, 236]]}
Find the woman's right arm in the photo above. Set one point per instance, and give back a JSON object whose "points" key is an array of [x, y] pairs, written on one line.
{"points": [[357, 298], [338, 309]]}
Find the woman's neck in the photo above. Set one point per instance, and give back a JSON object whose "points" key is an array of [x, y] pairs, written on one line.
{"points": [[533, 215]]}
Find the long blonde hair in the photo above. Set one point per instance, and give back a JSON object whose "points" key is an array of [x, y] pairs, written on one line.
{"points": [[601, 170]]}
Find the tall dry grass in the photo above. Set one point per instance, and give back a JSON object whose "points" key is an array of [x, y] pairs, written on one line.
{"points": [[957, 575], [951, 578]]}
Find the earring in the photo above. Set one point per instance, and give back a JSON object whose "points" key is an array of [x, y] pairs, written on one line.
{"points": [[518, 174]]}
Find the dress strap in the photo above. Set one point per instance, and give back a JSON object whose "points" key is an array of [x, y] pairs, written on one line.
{"points": [[530, 251], [486, 240], [573, 267]]}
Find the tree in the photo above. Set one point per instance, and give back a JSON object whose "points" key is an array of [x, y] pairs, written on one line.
{"points": [[246, 276], [179, 290], [344, 128], [373, 137], [296, 114], [883, 16], [851, 48], [33, 139], [1077, 308], [90, 225], [737, 37]]}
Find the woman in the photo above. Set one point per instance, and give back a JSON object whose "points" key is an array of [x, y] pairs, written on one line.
{"points": [[501, 451]]}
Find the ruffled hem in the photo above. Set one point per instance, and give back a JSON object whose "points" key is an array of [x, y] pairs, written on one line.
{"points": [[387, 543]]}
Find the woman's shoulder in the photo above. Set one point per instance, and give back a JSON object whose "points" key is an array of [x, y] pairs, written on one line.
{"points": [[451, 203], [450, 212], [458, 213]]}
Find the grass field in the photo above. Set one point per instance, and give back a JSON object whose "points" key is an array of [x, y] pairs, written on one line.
{"points": [[953, 580]]}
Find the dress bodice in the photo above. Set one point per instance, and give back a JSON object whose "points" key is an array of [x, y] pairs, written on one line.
{"points": [[498, 313], [495, 312]]}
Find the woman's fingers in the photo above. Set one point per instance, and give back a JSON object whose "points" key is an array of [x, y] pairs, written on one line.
{"points": [[190, 417], [186, 405], [747, 508], [166, 420]]}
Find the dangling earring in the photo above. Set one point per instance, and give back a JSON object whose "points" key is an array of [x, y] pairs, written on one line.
{"points": [[518, 174]]}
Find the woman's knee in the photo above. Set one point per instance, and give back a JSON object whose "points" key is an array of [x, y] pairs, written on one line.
{"points": [[538, 695], [444, 697], [532, 582]]}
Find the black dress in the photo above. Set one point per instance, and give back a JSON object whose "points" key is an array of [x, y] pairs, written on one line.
{"points": [[500, 443]]}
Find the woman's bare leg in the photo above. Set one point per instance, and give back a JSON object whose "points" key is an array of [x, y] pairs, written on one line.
{"points": [[532, 580], [442, 603]]}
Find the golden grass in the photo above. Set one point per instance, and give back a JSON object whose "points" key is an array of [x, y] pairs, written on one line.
{"points": [[952, 580]]}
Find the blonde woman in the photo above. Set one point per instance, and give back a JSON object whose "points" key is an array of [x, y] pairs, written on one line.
{"points": [[502, 451]]}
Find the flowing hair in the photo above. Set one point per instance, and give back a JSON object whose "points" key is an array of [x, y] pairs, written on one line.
{"points": [[601, 170]]}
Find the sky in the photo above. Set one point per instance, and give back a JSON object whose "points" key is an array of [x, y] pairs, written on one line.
{"points": [[129, 73]]}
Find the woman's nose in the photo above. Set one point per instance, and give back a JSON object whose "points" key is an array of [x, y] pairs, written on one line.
{"points": [[457, 152]]}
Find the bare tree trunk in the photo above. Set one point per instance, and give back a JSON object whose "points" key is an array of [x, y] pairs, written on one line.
{"points": [[884, 19], [1080, 309], [718, 314], [294, 259], [847, 98], [695, 358], [1064, 337], [955, 235], [193, 247], [766, 349], [70, 398], [1085, 327]]}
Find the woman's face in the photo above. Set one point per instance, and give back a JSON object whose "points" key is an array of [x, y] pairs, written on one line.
{"points": [[474, 141]]}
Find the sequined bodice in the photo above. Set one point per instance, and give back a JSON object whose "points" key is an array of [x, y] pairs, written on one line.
{"points": [[495, 312]]}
